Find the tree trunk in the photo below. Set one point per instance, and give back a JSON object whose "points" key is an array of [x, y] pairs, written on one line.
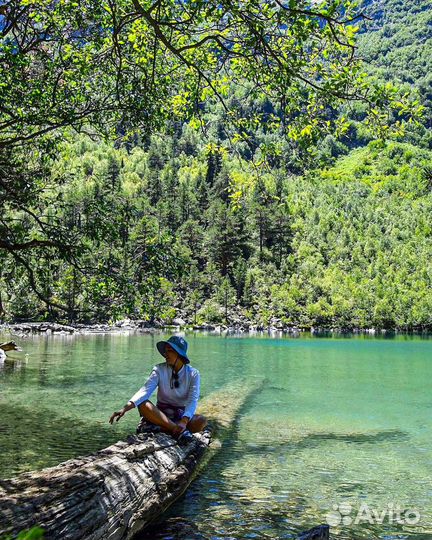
{"points": [[109, 495], [9, 346], [2, 311]]}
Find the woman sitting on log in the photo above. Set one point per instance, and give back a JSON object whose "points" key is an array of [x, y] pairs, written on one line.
{"points": [[178, 387]]}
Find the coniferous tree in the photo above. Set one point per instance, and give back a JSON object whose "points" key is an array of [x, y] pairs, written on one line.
{"points": [[221, 186], [203, 194], [262, 210], [214, 165], [227, 237]]}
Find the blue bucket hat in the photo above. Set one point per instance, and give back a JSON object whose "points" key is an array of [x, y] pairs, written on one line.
{"points": [[178, 344]]}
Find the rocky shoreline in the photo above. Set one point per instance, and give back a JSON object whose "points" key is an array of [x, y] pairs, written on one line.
{"points": [[244, 327]]}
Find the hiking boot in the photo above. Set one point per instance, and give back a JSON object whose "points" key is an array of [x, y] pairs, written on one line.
{"points": [[185, 438]]}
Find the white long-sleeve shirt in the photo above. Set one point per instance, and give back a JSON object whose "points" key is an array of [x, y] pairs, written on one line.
{"points": [[186, 395]]}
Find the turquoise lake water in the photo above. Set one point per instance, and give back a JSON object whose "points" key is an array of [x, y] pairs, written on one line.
{"points": [[340, 432]]}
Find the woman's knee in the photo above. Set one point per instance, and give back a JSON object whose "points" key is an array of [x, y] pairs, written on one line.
{"points": [[198, 422], [145, 406], [203, 420]]}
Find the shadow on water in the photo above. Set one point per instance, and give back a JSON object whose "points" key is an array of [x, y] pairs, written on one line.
{"points": [[36, 439], [313, 440], [359, 438]]}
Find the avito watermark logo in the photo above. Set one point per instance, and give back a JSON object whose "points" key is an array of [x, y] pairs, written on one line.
{"points": [[344, 514]]}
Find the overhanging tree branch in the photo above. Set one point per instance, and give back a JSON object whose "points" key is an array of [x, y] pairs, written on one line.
{"points": [[33, 285]]}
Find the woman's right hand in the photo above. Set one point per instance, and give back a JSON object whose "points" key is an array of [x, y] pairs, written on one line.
{"points": [[116, 416], [178, 429]]}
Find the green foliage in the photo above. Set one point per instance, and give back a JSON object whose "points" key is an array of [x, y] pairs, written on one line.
{"points": [[210, 312], [348, 245], [35, 533], [398, 41], [397, 46], [130, 65]]}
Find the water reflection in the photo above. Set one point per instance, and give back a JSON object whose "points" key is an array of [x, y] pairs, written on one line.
{"points": [[11, 364]]}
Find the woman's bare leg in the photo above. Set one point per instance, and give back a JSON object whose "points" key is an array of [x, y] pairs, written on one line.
{"points": [[197, 423], [156, 416]]}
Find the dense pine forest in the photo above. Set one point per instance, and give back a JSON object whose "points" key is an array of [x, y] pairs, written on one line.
{"points": [[197, 222]]}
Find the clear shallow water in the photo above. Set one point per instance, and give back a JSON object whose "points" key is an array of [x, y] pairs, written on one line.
{"points": [[340, 421]]}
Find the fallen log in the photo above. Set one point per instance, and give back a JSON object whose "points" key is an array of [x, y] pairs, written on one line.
{"points": [[116, 492], [6, 347], [9, 346]]}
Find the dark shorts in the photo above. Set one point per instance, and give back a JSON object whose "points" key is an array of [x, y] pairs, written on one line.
{"points": [[173, 412]]}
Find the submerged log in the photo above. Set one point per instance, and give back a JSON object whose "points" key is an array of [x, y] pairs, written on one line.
{"points": [[116, 492]]}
